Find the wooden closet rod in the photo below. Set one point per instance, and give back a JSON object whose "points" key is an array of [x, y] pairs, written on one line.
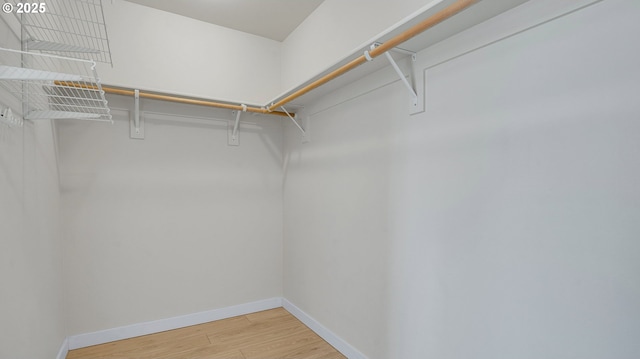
{"points": [[155, 96], [422, 26]]}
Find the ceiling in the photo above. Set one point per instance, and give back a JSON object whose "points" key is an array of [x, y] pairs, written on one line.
{"points": [[273, 19]]}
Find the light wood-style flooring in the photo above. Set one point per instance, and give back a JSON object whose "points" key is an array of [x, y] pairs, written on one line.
{"points": [[271, 334]]}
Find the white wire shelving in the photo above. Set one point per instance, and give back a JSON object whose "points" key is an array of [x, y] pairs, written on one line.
{"points": [[71, 28], [53, 87]]}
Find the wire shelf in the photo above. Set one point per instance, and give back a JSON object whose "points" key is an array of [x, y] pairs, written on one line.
{"points": [[71, 28], [53, 87]]}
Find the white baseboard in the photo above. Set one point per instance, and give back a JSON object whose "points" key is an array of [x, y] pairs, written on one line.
{"points": [[156, 326], [342, 346], [64, 349]]}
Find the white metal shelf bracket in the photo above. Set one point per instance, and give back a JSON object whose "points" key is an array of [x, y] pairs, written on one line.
{"points": [[294, 121], [136, 123], [412, 91], [416, 83], [232, 138]]}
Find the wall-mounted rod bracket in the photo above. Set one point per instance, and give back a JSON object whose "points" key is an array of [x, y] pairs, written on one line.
{"points": [[412, 91], [233, 131], [136, 123], [294, 120], [417, 79], [136, 113], [367, 55]]}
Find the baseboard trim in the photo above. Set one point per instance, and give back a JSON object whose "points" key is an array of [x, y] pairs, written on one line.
{"points": [[156, 326], [340, 344], [64, 349]]}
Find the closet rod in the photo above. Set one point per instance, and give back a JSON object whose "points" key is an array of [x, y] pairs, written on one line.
{"points": [[422, 26], [191, 101], [155, 96]]}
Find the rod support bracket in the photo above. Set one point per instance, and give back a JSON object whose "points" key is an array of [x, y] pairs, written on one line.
{"points": [[412, 91], [233, 129], [298, 125], [367, 55], [136, 122]]}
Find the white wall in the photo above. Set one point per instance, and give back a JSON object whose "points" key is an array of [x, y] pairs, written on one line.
{"points": [[334, 30], [31, 294], [503, 222], [30, 247], [160, 51], [174, 224]]}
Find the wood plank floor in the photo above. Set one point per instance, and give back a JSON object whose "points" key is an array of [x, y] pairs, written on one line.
{"points": [[271, 334]]}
